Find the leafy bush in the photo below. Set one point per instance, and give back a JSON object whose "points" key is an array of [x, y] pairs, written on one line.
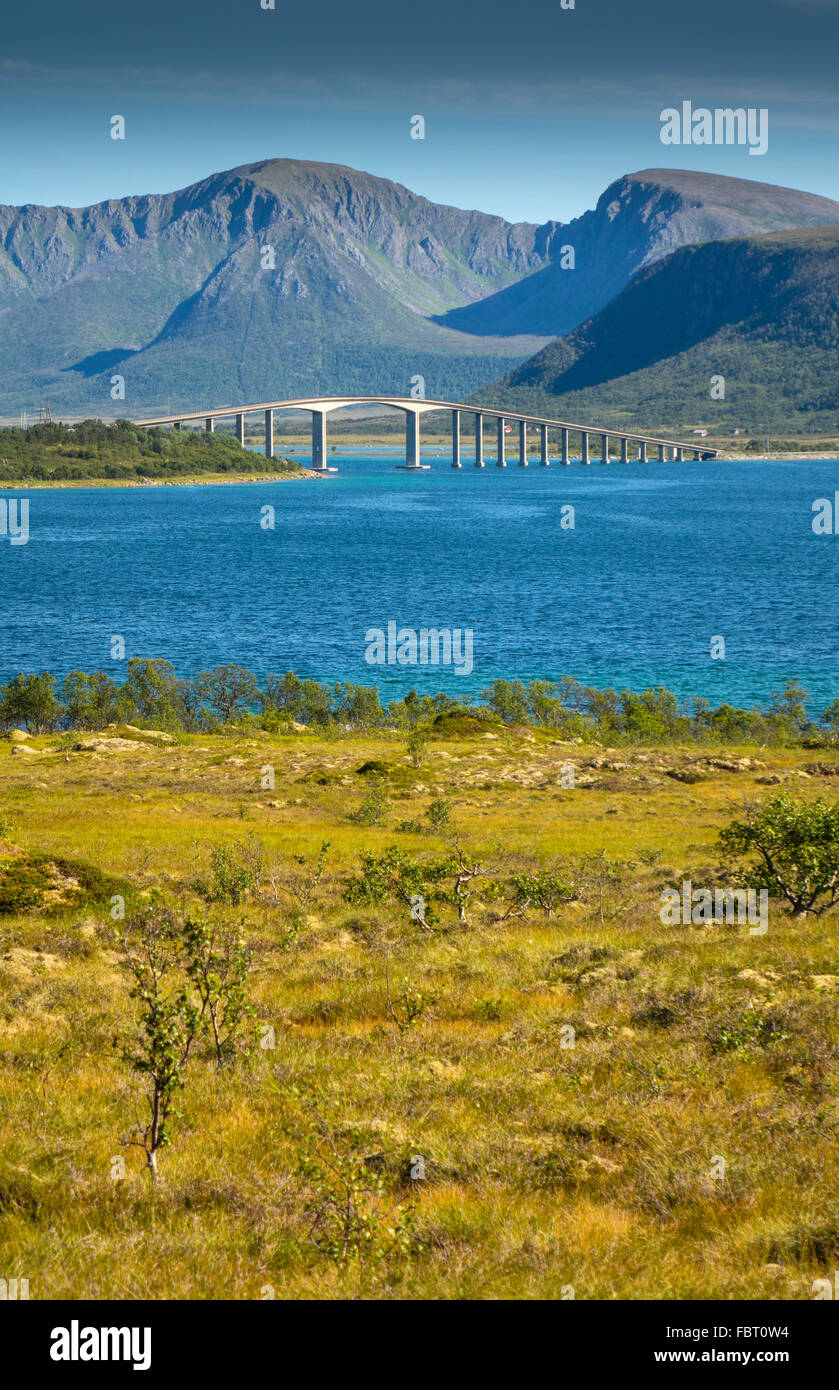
{"points": [[371, 809], [751, 1030], [30, 700], [790, 848], [394, 876], [544, 889], [439, 815], [347, 1203], [231, 878], [189, 978]]}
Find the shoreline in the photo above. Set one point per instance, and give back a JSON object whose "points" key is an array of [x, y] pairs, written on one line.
{"points": [[779, 458], [310, 474], [207, 480]]}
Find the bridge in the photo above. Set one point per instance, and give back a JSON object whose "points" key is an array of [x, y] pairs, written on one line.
{"points": [[414, 408]]}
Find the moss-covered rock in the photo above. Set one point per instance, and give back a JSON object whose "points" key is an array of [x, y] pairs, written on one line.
{"points": [[48, 884]]}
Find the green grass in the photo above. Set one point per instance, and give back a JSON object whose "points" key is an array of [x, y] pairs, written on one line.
{"points": [[545, 1166]]}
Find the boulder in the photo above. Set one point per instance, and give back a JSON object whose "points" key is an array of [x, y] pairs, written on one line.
{"points": [[23, 748], [18, 736], [159, 734], [107, 745]]}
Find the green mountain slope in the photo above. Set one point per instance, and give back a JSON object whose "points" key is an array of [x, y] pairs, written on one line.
{"points": [[761, 312]]}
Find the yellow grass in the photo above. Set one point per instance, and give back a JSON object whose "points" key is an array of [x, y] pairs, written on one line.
{"points": [[549, 1171]]}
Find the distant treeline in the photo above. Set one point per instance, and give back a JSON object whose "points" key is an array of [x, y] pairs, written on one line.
{"points": [[93, 449], [154, 696]]}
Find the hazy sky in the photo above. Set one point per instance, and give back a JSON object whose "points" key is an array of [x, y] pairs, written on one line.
{"points": [[530, 110]]}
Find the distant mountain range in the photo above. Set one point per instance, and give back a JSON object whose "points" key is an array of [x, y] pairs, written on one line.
{"points": [[761, 313], [291, 278]]}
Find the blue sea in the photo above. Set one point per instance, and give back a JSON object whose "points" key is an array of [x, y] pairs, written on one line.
{"points": [[662, 558]]}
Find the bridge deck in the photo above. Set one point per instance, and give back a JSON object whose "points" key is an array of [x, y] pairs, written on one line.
{"points": [[421, 406]]}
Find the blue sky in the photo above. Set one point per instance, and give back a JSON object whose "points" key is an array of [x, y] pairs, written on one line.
{"points": [[530, 110]]}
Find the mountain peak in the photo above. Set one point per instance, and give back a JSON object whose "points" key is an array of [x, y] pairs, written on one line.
{"points": [[763, 202], [640, 218], [280, 276]]}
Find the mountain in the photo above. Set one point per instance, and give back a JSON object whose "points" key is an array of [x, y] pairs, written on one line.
{"points": [[761, 312], [175, 293], [639, 219], [288, 278]]}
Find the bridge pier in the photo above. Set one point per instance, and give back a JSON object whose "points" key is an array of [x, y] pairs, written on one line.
{"points": [[697, 454], [319, 439], [584, 447], [479, 441], [269, 434], [544, 461], [501, 461], [680, 453], [412, 443], [624, 450], [240, 429], [642, 452], [210, 425], [456, 439], [565, 459], [662, 453], [522, 444], [604, 454]]}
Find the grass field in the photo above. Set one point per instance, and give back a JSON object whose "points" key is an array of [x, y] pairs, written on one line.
{"points": [[685, 1146]]}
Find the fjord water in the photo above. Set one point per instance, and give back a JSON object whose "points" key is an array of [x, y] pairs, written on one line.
{"points": [[662, 557]]}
